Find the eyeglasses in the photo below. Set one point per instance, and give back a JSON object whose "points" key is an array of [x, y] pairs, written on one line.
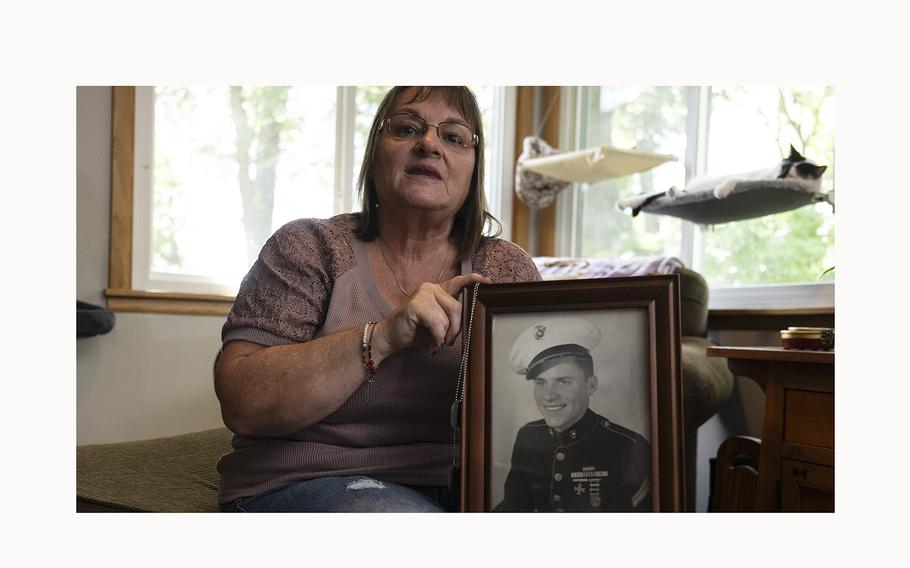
{"points": [[406, 126]]}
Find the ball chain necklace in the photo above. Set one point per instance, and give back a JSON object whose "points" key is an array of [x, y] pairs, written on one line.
{"points": [[445, 263]]}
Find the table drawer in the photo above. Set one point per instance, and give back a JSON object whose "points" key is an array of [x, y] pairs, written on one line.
{"points": [[809, 418], [806, 487]]}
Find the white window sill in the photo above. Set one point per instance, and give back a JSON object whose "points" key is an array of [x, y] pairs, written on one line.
{"points": [[773, 297]]}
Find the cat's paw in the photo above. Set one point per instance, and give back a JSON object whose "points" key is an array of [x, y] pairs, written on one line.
{"points": [[724, 189]]}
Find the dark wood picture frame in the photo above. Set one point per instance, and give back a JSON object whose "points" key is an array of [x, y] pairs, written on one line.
{"points": [[658, 299]]}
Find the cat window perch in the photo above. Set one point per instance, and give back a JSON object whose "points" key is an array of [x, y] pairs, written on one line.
{"points": [[748, 199], [542, 172]]}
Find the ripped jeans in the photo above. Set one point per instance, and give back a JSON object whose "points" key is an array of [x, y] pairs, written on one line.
{"points": [[351, 494]]}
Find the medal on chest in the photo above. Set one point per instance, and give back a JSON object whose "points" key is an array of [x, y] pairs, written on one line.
{"points": [[587, 482]]}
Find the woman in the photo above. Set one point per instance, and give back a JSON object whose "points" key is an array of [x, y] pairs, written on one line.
{"points": [[331, 411]]}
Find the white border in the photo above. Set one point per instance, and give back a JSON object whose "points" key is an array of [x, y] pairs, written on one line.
{"points": [[143, 159], [504, 135], [345, 123]]}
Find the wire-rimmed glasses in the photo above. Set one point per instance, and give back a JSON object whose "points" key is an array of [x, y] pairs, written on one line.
{"points": [[406, 126]]}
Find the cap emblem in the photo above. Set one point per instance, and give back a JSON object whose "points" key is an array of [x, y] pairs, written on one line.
{"points": [[541, 331]]}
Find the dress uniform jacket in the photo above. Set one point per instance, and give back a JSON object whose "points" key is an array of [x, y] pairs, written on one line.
{"points": [[593, 466]]}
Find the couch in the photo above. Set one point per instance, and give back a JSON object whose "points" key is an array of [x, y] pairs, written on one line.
{"points": [[171, 474], [177, 473]]}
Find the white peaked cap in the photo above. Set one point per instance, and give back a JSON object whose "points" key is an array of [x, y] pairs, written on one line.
{"points": [[555, 337]]}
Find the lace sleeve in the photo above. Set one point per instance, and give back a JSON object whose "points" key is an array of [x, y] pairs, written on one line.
{"points": [[286, 292], [503, 262]]}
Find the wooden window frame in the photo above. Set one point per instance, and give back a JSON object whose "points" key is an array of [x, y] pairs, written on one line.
{"points": [[121, 297], [120, 294]]}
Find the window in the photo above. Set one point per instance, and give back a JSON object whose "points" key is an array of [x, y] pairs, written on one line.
{"points": [[216, 170], [651, 119], [750, 126], [715, 130]]}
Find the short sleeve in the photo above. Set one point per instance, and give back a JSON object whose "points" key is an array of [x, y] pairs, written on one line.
{"points": [[504, 262], [285, 295]]}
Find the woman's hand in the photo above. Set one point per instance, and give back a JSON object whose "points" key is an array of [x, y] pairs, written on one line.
{"points": [[430, 318]]}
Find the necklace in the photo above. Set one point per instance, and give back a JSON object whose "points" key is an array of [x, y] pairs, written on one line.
{"points": [[460, 386], [445, 263]]}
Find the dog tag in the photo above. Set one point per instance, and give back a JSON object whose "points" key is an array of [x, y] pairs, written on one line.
{"points": [[455, 414], [454, 480]]}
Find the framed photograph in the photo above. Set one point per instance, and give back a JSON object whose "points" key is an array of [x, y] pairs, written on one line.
{"points": [[573, 397]]}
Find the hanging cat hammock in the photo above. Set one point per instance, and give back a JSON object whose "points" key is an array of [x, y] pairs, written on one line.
{"points": [[748, 199], [542, 171], [793, 183]]}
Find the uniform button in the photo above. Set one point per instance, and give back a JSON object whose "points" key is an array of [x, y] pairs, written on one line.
{"points": [[560, 456], [560, 510], [557, 477], [557, 498]]}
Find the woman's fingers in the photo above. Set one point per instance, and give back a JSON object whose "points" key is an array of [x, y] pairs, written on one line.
{"points": [[437, 312], [452, 309], [453, 287], [431, 317]]}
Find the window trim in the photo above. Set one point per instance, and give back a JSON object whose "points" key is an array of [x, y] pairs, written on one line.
{"points": [[503, 162], [120, 294]]}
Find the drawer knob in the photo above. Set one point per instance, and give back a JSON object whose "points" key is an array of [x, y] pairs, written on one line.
{"points": [[800, 473]]}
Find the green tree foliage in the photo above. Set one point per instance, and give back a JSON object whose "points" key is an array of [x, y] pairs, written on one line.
{"points": [[641, 118], [260, 120], [165, 249], [795, 246], [367, 99], [166, 192]]}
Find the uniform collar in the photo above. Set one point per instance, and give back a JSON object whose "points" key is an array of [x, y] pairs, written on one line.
{"points": [[578, 430]]}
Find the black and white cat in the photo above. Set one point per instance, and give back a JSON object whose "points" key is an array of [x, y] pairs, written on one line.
{"points": [[796, 168]]}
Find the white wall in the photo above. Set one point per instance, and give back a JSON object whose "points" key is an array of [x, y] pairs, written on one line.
{"points": [[152, 375]]}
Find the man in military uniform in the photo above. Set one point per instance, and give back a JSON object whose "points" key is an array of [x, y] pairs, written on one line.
{"points": [[573, 459]]}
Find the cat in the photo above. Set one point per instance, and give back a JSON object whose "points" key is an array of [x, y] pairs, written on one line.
{"points": [[806, 173]]}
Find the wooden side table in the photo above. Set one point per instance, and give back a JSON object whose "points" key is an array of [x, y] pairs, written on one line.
{"points": [[796, 464]]}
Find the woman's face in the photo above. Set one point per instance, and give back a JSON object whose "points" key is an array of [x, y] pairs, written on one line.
{"points": [[423, 173]]}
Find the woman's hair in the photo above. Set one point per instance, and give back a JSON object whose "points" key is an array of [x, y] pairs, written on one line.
{"points": [[473, 216]]}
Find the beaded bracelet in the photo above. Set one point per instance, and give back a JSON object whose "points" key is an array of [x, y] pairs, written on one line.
{"points": [[366, 350]]}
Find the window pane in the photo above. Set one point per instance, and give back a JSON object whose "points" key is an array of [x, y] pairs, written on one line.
{"points": [[752, 128], [232, 164], [368, 99], [486, 100], [651, 119]]}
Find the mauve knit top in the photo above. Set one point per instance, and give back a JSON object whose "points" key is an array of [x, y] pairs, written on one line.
{"points": [[312, 279]]}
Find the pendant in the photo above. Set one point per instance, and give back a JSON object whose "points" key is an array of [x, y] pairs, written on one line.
{"points": [[455, 480], [455, 414]]}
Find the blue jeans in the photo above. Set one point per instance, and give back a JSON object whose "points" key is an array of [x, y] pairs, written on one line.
{"points": [[352, 494]]}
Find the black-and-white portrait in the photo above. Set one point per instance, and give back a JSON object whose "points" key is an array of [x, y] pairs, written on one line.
{"points": [[570, 418]]}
